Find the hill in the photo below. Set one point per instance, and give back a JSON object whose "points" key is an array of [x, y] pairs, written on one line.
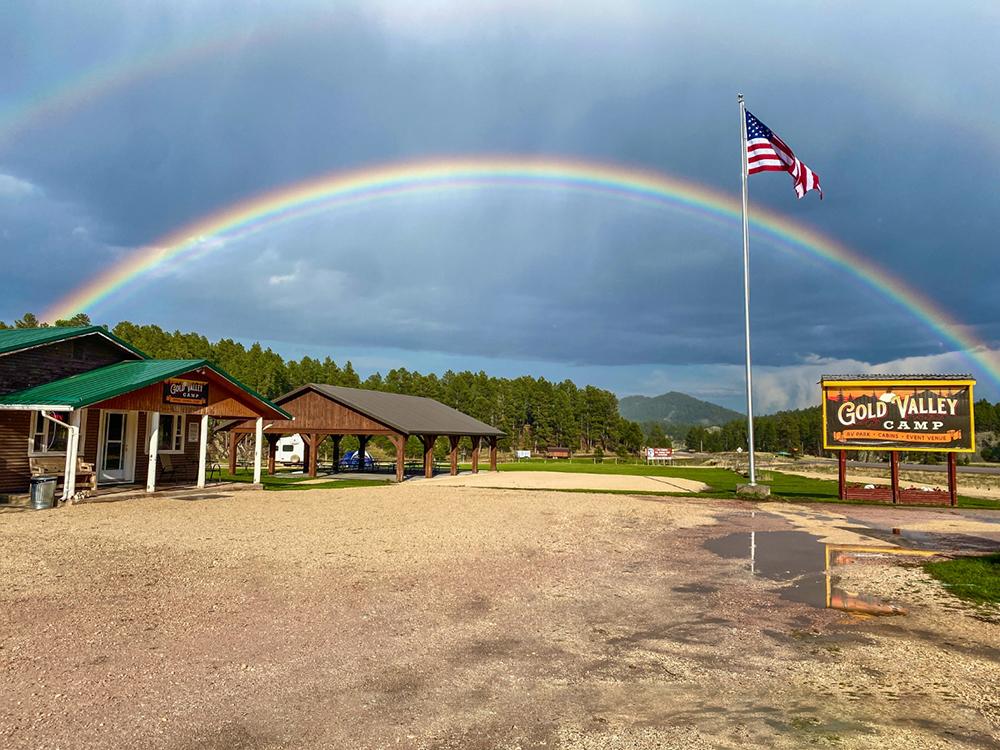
{"points": [[675, 410]]}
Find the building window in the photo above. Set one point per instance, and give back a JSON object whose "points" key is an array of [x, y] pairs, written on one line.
{"points": [[170, 438], [47, 437]]}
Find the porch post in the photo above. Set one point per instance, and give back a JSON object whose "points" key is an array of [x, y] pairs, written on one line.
{"points": [[73, 452], [453, 455], [202, 449], [257, 449], [493, 453], [476, 440], [234, 440], [153, 417]]}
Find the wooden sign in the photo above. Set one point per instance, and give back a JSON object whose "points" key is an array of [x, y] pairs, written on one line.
{"points": [[188, 392], [908, 414]]}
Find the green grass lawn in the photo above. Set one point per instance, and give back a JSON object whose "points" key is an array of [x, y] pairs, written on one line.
{"points": [[722, 481], [288, 481], [975, 579]]}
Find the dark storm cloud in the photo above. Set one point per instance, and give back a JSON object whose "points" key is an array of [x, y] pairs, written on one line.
{"points": [[573, 280]]}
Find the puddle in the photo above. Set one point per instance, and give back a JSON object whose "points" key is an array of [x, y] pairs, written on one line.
{"points": [[932, 541], [792, 557], [804, 565]]}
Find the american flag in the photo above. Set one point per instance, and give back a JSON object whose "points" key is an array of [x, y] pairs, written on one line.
{"points": [[766, 152]]}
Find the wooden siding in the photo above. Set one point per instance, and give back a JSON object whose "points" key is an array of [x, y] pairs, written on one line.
{"points": [[14, 470], [224, 400], [43, 364], [315, 413]]}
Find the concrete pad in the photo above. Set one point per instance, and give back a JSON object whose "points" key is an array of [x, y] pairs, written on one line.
{"points": [[564, 480]]}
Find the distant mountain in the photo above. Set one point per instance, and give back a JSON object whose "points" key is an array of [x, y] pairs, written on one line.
{"points": [[675, 410]]}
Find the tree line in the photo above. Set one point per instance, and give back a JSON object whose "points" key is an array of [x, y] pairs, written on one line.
{"points": [[800, 432], [534, 413]]}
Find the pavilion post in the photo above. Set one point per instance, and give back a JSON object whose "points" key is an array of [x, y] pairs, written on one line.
{"points": [[202, 450], [258, 448], [306, 453], [894, 475], [234, 441], [428, 441], [842, 474], [154, 447], [336, 453], [953, 479], [493, 453], [362, 450], [453, 455], [313, 443], [272, 453], [476, 440], [400, 442]]}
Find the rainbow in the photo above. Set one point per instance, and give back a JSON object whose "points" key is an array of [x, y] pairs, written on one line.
{"points": [[339, 189], [105, 79]]}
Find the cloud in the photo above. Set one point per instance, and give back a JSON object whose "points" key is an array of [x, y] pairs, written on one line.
{"points": [[557, 281], [14, 187]]}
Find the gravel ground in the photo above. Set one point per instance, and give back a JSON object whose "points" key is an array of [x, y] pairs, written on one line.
{"points": [[425, 616], [560, 480]]}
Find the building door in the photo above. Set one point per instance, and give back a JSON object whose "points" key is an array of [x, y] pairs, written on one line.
{"points": [[117, 458]]}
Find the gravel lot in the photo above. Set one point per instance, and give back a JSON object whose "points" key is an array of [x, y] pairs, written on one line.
{"points": [[427, 616]]}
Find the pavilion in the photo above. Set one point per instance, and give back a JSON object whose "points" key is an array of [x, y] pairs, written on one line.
{"points": [[328, 411]]}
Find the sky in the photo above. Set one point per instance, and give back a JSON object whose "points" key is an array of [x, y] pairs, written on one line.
{"points": [[123, 122]]}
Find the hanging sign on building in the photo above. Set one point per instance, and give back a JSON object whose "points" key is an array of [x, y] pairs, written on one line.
{"points": [[901, 413], [188, 392]]}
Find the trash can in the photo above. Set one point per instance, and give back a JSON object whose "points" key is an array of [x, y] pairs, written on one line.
{"points": [[43, 492]]}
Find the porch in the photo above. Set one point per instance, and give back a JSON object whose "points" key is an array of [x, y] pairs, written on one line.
{"points": [[187, 491], [132, 426]]}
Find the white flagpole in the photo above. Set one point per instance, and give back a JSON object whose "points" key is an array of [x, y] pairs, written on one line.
{"points": [[746, 286]]}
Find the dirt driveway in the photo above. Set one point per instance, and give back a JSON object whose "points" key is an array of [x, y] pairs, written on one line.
{"points": [[444, 617]]}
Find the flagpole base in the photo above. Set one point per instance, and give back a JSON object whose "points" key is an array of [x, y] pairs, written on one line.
{"points": [[753, 490]]}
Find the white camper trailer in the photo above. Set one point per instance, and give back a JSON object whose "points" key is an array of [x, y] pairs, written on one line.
{"points": [[290, 450]]}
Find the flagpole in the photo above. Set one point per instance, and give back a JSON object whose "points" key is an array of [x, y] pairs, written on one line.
{"points": [[746, 286]]}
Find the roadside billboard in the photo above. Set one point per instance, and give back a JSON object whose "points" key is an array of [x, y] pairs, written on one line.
{"points": [[922, 413], [659, 453]]}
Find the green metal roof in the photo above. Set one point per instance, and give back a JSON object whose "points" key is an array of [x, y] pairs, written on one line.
{"points": [[15, 339], [79, 391]]}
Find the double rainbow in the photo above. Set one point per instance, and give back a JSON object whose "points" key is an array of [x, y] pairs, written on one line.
{"points": [[339, 189]]}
